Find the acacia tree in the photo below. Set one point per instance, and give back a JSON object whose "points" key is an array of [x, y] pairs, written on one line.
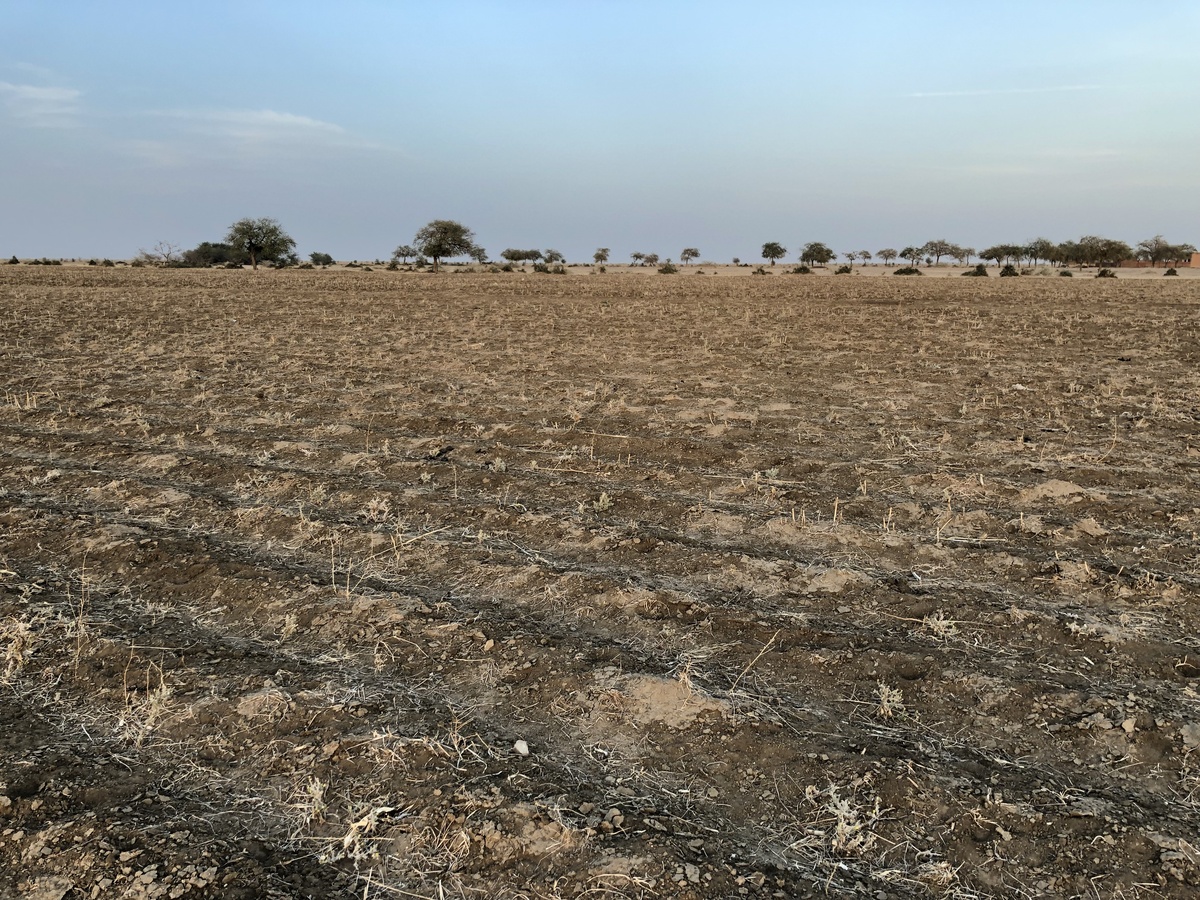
{"points": [[817, 254], [652, 259], [912, 254], [865, 256], [637, 257], [600, 257], [164, 254], [520, 256], [962, 254], [1039, 248], [553, 256], [444, 239], [887, 255], [259, 239], [403, 252], [688, 254], [938, 248], [1157, 249], [773, 250]]}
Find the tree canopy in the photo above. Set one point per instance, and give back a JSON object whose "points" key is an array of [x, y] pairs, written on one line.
{"points": [[816, 253], [445, 239], [260, 239], [773, 250]]}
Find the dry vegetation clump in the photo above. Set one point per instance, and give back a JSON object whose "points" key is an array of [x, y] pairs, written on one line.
{"points": [[372, 584]]}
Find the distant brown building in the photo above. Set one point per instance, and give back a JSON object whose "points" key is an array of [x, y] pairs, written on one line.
{"points": [[1193, 263]]}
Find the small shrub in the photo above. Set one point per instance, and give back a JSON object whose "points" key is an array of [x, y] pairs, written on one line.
{"points": [[1169, 272], [558, 269], [393, 266], [844, 270], [92, 262], [1066, 273], [367, 269], [138, 264], [353, 264], [603, 269], [980, 271], [1106, 273], [760, 271], [306, 265], [667, 269], [1009, 271], [801, 270], [541, 268], [233, 265], [507, 267], [14, 262], [908, 270], [108, 264]]}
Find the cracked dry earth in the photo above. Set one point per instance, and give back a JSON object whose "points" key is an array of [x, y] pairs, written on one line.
{"points": [[348, 584]]}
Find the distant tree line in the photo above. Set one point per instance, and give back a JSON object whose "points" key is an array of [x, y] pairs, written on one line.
{"points": [[255, 241], [1089, 250]]}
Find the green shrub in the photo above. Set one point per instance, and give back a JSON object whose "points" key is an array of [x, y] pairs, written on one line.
{"points": [[558, 269], [1009, 271], [108, 264], [1066, 273], [306, 265], [980, 271], [92, 262], [844, 270], [1170, 272], [137, 264], [760, 271], [667, 269], [1106, 273], [908, 270]]}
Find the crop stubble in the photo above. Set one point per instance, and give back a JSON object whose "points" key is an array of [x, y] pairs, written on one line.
{"points": [[788, 586]]}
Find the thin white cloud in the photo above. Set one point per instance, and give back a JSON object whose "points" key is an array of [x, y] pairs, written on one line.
{"points": [[188, 135], [256, 124], [40, 107], [993, 92]]}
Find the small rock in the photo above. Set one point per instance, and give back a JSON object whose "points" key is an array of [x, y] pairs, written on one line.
{"points": [[522, 748], [692, 872]]}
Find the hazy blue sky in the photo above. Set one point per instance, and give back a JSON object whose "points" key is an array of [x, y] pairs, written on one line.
{"points": [[645, 126]]}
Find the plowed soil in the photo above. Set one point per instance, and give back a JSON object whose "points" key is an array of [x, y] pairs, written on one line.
{"points": [[368, 584]]}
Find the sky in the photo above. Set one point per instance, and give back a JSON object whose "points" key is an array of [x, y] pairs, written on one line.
{"points": [[637, 126]]}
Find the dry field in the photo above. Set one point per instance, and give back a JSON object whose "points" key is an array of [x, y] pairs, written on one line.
{"points": [[337, 584]]}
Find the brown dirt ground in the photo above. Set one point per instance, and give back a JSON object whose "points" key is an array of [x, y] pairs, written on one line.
{"points": [[382, 585]]}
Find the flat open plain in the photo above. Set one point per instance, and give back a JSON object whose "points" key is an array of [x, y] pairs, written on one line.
{"points": [[370, 584]]}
